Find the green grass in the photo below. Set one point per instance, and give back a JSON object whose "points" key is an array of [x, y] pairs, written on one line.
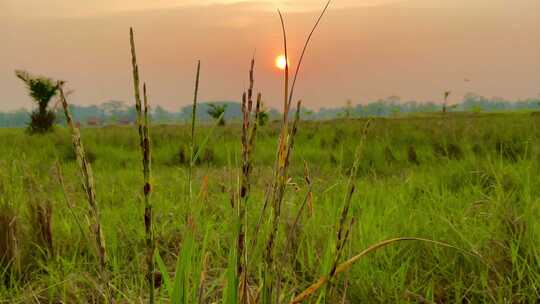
{"points": [[476, 187]]}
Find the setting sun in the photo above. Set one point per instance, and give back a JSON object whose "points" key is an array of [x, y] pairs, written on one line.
{"points": [[281, 62]]}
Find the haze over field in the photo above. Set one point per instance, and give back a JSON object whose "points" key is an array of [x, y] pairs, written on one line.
{"points": [[364, 50]]}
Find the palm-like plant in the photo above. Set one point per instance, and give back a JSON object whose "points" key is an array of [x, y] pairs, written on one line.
{"points": [[42, 90], [217, 112]]}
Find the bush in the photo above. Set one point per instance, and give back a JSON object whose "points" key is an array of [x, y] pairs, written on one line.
{"points": [[41, 122]]}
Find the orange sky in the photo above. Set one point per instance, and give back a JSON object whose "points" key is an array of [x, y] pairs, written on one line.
{"points": [[364, 50]]}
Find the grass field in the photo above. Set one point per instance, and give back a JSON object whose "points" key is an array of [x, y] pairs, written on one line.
{"points": [[468, 180]]}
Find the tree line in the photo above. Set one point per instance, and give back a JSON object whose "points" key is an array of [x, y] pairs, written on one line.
{"points": [[118, 112], [42, 90]]}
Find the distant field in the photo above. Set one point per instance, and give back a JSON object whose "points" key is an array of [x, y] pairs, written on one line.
{"points": [[469, 180]]}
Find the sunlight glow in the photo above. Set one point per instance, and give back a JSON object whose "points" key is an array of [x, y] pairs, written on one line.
{"points": [[281, 62]]}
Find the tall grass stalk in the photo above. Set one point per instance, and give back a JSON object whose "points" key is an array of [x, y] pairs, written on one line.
{"points": [[278, 183], [270, 286], [136, 86], [85, 170], [148, 211], [344, 221], [249, 132], [304, 49], [144, 139], [193, 122], [286, 142]]}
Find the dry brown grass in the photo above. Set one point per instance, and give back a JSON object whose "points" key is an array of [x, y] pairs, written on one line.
{"points": [[345, 266], [40, 210], [9, 239]]}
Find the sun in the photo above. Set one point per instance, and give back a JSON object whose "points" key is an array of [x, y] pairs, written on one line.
{"points": [[281, 62]]}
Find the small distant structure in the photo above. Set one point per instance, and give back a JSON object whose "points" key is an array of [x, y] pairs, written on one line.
{"points": [[93, 122], [124, 121]]}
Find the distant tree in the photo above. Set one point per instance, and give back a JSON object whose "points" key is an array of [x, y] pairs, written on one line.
{"points": [[217, 112], [42, 90], [114, 109], [348, 111], [161, 115]]}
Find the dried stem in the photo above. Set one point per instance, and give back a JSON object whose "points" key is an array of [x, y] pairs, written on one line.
{"points": [[193, 121], [136, 86], [306, 45], [144, 139], [249, 132], [348, 264], [285, 145], [85, 170]]}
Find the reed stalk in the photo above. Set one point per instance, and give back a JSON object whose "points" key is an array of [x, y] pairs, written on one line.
{"points": [[278, 192], [144, 139], [285, 145], [268, 276], [147, 191], [249, 132], [136, 87], [193, 141], [85, 170], [304, 49]]}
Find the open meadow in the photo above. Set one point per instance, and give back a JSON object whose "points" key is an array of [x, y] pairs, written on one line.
{"points": [[468, 181], [429, 197]]}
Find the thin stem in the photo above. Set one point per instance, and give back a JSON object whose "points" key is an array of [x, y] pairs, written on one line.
{"points": [[88, 184], [305, 49], [348, 264], [193, 121], [148, 211]]}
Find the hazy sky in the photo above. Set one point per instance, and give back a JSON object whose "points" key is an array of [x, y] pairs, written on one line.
{"points": [[96, 7], [364, 50]]}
